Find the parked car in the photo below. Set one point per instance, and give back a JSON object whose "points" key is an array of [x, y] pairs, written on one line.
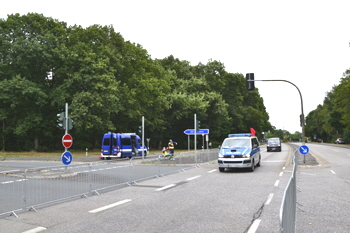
{"points": [[339, 141], [273, 144]]}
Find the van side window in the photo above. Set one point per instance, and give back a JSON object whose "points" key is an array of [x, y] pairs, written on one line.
{"points": [[126, 141]]}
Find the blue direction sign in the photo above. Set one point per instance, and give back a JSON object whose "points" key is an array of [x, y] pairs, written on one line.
{"points": [[201, 131], [67, 158], [304, 149]]}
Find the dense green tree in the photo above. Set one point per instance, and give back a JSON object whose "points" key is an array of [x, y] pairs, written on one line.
{"points": [[109, 84]]}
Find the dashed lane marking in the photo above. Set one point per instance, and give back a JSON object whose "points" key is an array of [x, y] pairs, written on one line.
{"points": [[109, 206]]}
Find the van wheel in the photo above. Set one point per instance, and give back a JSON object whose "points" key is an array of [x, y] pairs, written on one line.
{"points": [[221, 169], [252, 167]]}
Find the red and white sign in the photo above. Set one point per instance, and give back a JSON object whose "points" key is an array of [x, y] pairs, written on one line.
{"points": [[67, 140]]}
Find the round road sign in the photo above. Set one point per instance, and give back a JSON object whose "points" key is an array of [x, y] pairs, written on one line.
{"points": [[67, 140], [67, 158]]}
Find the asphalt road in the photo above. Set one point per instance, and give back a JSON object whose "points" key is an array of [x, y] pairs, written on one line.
{"points": [[205, 200]]}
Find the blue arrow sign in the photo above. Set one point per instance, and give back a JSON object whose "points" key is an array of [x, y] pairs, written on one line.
{"points": [[191, 131], [304, 149], [67, 158]]}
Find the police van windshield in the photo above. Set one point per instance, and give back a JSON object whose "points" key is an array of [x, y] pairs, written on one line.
{"points": [[236, 143]]}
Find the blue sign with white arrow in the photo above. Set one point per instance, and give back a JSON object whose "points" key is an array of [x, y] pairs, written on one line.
{"points": [[67, 158], [304, 149], [191, 131]]}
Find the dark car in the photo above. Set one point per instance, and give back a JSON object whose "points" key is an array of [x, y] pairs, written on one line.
{"points": [[273, 144], [339, 141]]}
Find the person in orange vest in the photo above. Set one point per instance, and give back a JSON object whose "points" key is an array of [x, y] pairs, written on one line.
{"points": [[171, 148]]}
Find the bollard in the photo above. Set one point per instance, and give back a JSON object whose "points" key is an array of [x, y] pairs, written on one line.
{"points": [[86, 152]]}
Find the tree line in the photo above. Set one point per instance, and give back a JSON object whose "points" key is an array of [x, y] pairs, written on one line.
{"points": [[331, 120], [109, 84]]}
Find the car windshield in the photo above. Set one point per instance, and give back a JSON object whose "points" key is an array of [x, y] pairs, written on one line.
{"points": [[274, 140], [236, 143]]}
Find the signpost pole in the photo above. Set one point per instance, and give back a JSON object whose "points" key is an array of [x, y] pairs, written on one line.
{"points": [[66, 123], [195, 137], [188, 142]]}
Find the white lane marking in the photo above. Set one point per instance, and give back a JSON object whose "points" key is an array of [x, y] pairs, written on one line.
{"points": [[310, 174], [7, 182], [109, 206], [34, 230], [274, 161], [269, 199], [276, 183], [333, 172], [192, 178], [214, 170], [166, 187], [254, 226], [281, 173]]}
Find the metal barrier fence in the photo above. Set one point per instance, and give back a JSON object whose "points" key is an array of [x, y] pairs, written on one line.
{"points": [[23, 190], [289, 202]]}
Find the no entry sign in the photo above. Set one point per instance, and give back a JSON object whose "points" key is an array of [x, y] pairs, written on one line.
{"points": [[67, 140]]}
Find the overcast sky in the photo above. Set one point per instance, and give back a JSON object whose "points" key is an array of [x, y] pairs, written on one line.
{"points": [[303, 41]]}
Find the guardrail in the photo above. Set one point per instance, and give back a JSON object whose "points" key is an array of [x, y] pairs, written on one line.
{"points": [[23, 190], [289, 202]]}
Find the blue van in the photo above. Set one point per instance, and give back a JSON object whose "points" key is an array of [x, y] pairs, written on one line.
{"points": [[239, 151], [121, 145]]}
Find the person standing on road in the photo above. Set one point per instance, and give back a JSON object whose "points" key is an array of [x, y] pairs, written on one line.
{"points": [[171, 148]]}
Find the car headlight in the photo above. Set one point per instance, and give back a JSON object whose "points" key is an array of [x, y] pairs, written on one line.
{"points": [[221, 155], [246, 155]]}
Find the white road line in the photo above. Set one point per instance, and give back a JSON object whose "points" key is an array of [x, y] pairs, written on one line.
{"points": [[109, 206], [276, 183], [254, 226], [166, 187], [333, 172], [281, 173], [192, 178], [274, 161], [7, 182], [34, 230], [269, 199], [214, 170]]}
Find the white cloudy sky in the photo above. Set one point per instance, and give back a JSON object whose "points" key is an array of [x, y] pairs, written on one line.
{"points": [[303, 41]]}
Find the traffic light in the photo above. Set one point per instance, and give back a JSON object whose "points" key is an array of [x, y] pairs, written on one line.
{"points": [[198, 125], [301, 120], [70, 123], [61, 121], [250, 81]]}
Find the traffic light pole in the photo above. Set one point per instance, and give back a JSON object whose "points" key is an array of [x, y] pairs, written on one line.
{"points": [[301, 100]]}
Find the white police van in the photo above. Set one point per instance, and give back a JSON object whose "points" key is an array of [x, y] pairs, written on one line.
{"points": [[121, 145], [239, 151]]}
